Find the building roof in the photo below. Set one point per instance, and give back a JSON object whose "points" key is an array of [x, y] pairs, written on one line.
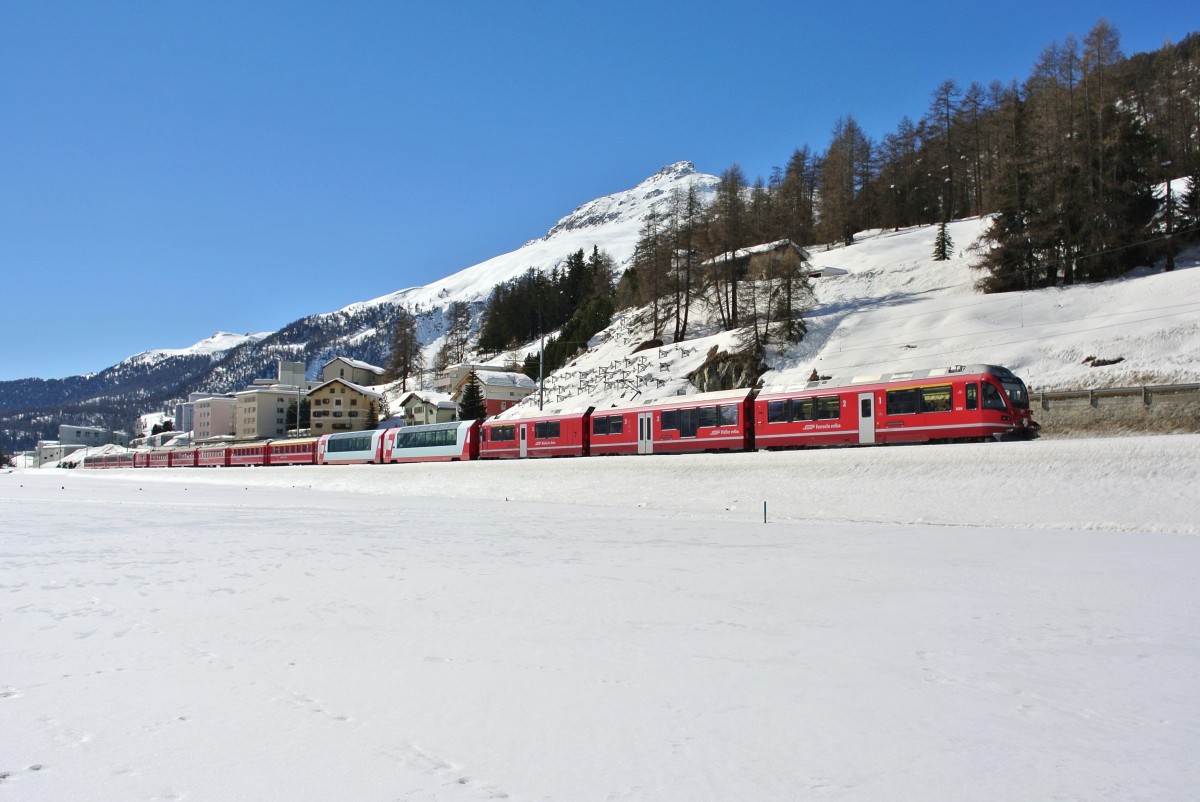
{"points": [[355, 363], [746, 253], [356, 387], [433, 398], [493, 378]]}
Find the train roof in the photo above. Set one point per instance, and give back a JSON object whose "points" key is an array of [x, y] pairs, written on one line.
{"points": [[895, 376]]}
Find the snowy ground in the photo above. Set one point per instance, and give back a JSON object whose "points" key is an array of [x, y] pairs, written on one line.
{"points": [[1000, 621]]}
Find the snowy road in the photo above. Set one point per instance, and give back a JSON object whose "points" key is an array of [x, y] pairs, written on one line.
{"points": [[967, 622]]}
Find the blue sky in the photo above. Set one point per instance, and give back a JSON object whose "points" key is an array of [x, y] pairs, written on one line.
{"points": [[168, 170]]}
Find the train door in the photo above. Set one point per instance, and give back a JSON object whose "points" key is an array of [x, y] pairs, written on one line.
{"points": [[523, 428], [645, 432], [866, 418]]}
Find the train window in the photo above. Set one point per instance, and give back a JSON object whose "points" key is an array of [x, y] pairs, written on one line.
{"points": [[802, 409], [727, 415], [972, 396], [992, 398], [708, 416], [608, 425], [550, 428], [503, 434], [670, 419], [901, 402], [689, 422], [829, 407], [935, 399], [776, 412]]}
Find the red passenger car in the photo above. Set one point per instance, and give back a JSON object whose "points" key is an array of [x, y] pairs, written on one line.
{"points": [[564, 434], [183, 458], [141, 459], [720, 421], [248, 454], [976, 402], [293, 452], [213, 456], [158, 459]]}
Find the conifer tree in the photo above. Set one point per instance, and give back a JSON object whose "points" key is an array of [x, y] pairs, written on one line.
{"points": [[471, 405], [942, 244]]}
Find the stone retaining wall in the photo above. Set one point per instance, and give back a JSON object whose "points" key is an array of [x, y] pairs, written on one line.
{"points": [[1137, 410]]}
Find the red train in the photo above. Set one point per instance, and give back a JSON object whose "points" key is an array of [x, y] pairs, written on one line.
{"points": [[972, 403]]}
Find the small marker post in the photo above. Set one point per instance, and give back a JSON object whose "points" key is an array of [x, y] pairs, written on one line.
{"points": [[764, 512]]}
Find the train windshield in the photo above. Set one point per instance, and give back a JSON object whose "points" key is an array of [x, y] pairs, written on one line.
{"points": [[1016, 391]]}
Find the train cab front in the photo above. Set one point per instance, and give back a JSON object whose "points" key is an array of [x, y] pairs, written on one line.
{"points": [[1022, 425]]}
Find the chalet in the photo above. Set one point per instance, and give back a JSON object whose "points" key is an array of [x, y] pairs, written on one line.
{"points": [[426, 406]]}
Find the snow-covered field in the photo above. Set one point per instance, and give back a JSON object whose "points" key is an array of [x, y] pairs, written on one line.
{"points": [[970, 622]]}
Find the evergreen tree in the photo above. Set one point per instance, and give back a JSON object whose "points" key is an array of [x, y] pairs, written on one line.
{"points": [[372, 421], [1190, 209], [290, 416], [942, 244], [1009, 259], [471, 405]]}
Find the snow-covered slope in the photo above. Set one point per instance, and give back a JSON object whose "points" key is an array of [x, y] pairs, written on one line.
{"points": [[890, 306]]}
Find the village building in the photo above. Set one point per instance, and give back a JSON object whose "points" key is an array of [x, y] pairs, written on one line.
{"points": [[69, 435], [353, 371], [450, 378], [342, 406], [262, 411], [501, 390], [426, 406], [214, 416]]}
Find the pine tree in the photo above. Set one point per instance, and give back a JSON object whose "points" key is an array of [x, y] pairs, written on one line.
{"points": [[942, 244], [471, 405], [372, 421], [1190, 209]]}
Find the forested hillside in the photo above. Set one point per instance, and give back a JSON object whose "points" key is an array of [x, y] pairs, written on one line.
{"points": [[1068, 159]]}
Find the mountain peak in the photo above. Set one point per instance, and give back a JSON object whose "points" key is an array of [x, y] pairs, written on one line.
{"points": [[673, 171], [634, 204]]}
